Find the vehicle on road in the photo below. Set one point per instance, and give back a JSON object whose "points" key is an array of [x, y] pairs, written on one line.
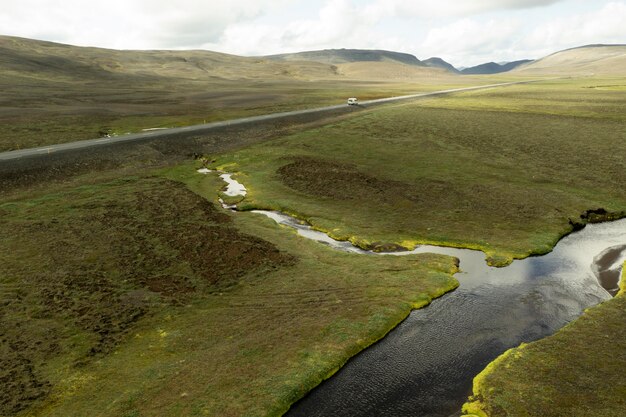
{"points": [[352, 101]]}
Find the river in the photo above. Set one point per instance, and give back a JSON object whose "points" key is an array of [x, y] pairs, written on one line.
{"points": [[425, 366]]}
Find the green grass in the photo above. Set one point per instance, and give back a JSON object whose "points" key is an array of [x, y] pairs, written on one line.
{"points": [[494, 177], [137, 297], [579, 371], [599, 98]]}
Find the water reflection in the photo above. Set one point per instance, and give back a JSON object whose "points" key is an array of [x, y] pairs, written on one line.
{"points": [[425, 366]]}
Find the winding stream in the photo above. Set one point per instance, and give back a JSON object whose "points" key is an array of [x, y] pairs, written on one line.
{"points": [[425, 366]]}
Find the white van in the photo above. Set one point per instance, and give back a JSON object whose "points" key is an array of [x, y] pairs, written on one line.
{"points": [[352, 101]]}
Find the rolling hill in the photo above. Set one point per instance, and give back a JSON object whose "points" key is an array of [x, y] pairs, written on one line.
{"points": [[436, 62], [584, 60], [27, 57]]}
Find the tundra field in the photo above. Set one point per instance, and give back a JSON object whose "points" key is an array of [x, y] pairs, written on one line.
{"points": [[130, 292], [139, 296]]}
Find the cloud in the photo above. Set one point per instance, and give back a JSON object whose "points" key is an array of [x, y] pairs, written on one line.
{"points": [[338, 24], [463, 32], [471, 41], [129, 24], [428, 8], [602, 26]]}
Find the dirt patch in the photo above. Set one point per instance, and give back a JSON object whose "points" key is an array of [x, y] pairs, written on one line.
{"points": [[93, 262]]}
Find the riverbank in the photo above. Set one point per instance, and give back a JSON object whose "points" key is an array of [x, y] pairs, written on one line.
{"points": [[579, 371]]}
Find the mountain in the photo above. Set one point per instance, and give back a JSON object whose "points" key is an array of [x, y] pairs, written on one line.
{"points": [[583, 60], [342, 56], [435, 62], [494, 68], [365, 64]]}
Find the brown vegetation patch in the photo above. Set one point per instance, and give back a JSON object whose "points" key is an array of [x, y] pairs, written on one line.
{"points": [[341, 181], [92, 262], [20, 385]]}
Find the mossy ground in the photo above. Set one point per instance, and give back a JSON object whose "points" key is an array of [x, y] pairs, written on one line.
{"points": [[138, 297], [579, 371], [472, 170]]}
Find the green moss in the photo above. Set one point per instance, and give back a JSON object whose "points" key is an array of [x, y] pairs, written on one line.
{"points": [[229, 199]]}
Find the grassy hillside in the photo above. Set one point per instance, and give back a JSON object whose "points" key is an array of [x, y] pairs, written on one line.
{"points": [[505, 179], [30, 57], [600, 60], [436, 62], [392, 71], [579, 371], [137, 296], [54, 93]]}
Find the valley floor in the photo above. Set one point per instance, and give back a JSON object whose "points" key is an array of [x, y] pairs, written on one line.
{"points": [[129, 292]]}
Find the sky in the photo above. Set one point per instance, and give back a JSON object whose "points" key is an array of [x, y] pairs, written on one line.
{"points": [[463, 32]]}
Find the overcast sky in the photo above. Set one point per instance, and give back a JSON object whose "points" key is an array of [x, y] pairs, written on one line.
{"points": [[463, 32]]}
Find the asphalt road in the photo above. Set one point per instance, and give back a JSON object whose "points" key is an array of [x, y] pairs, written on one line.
{"points": [[162, 133]]}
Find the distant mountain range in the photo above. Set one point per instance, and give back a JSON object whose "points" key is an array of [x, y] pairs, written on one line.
{"points": [[342, 56], [494, 68], [20, 57]]}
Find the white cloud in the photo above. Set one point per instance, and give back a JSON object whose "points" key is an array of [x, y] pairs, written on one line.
{"points": [[338, 24], [607, 25], [129, 23], [472, 42], [429, 8], [464, 32]]}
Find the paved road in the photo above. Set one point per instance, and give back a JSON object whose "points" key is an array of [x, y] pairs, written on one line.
{"points": [[209, 126]]}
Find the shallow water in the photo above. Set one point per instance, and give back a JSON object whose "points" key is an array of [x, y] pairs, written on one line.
{"points": [[425, 366]]}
